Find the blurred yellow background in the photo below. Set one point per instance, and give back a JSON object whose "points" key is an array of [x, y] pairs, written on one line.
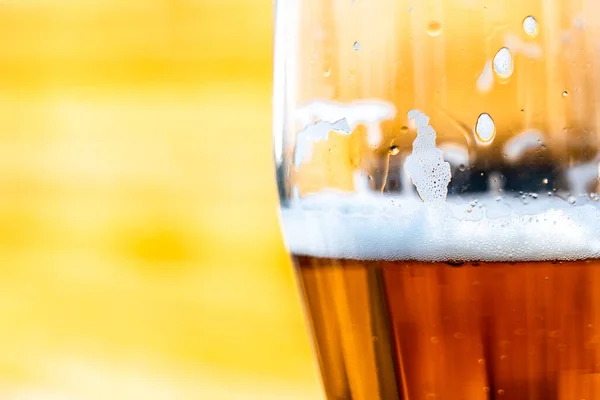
{"points": [[139, 247]]}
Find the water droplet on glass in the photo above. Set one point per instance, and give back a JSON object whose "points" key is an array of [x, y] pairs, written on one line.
{"points": [[501, 392], [356, 46], [534, 195], [530, 26], [485, 128], [394, 150], [434, 28], [327, 72], [462, 167], [486, 389], [545, 181], [481, 361], [434, 340], [503, 63], [403, 129], [565, 93], [503, 357], [572, 200]]}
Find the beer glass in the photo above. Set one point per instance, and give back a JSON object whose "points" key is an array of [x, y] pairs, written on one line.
{"points": [[437, 163]]}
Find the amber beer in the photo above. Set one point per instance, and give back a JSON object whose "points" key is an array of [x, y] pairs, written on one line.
{"points": [[494, 298], [451, 330]]}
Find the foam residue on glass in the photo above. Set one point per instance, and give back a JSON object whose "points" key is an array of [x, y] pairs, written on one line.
{"points": [[426, 166], [313, 133], [516, 147], [368, 112]]}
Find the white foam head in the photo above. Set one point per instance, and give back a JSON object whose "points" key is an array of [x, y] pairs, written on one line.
{"points": [[379, 227]]}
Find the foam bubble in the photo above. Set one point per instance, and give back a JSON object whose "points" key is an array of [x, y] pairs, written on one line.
{"points": [[374, 226], [426, 166]]}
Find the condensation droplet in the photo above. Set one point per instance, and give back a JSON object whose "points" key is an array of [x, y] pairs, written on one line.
{"points": [[503, 63], [394, 150], [481, 361], [434, 28], [486, 389], [462, 167], [327, 72], [403, 129], [356, 46], [545, 181], [501, 392], [434, 340], [565, 93], [485, 129], [503, 357], [572, 200], [530, 26]]}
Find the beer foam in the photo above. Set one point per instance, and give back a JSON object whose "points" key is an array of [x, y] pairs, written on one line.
{"points": [[426, 166], [369, 226], [367, 112]]}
